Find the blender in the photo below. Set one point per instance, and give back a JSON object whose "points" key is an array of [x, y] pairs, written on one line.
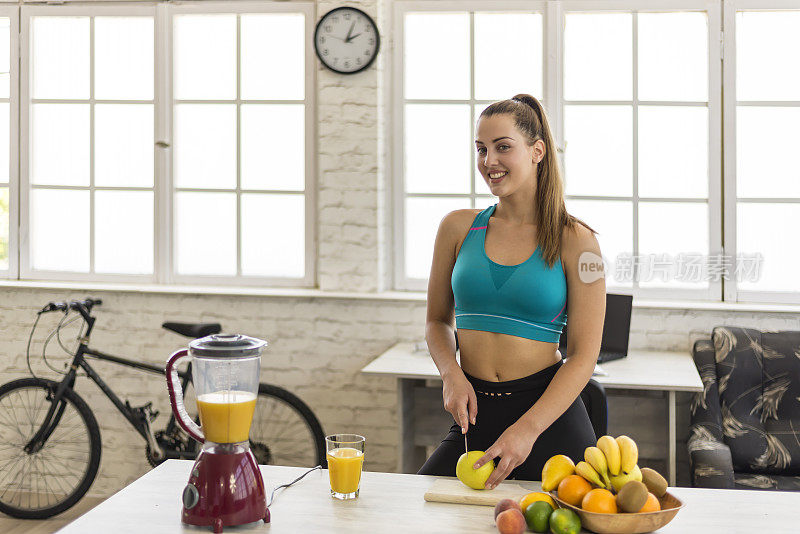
{"points": [[225, 486]]}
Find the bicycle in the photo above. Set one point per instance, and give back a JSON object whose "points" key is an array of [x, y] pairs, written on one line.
{"points": [[50, 442]]}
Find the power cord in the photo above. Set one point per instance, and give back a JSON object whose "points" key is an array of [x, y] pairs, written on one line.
{"points": [[272, 496]]}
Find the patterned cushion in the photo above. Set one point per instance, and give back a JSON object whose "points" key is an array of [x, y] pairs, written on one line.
{"points": [[766, 482], [758, 378]]}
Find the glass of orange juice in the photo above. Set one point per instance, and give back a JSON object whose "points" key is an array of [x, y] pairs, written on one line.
{"points": [[345, 454]]}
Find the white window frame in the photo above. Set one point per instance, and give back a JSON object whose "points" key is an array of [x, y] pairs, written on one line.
{"points": [[164, 190], [401, 280], [553, 36], [12, 12], [732, 293], [167, 260], [27, 12]]}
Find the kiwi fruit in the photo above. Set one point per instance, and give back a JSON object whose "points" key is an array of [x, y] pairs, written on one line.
{"points": [[632, 496], [655, 483]]}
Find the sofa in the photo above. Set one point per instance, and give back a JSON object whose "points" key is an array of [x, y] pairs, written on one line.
{"points": [[745, 424]]}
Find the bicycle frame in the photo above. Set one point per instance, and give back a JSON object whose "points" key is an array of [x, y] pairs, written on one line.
{"points": [[133, 416]]}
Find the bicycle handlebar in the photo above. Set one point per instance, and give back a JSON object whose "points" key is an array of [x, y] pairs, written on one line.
{"points": [[77, 305]]}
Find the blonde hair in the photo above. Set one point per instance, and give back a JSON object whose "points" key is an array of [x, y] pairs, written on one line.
{"points": [[551, 212]]}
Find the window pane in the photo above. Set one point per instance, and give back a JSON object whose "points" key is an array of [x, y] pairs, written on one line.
{"points": [[205, 56], [673, 151], [5, 57], [767, 45], [671, 228], [205, 233], [123, 232], [205, 145], [123, 58], [508, 55], [273, 235], [4, 231], [5, 144], [267, 74], [766, 152], [273, 146], [758, 231], [437, 146], [59, 144], [613, 221], [423, 216], [60, 57], [123, 145], [598, 56], [599, 150], [673, 56], [60, 230], [437, 55]]}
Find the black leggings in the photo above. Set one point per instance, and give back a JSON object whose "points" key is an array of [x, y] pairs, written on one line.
{"points": [[501, 404]]}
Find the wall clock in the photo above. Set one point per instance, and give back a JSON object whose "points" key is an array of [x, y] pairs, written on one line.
{"points": [[346, 40]]}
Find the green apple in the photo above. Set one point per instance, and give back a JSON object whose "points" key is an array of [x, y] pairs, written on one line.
{"points": [[623, 478], [474, 478]]}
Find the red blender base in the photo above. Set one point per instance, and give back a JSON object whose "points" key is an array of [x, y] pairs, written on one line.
{"points": [[224, 489]]}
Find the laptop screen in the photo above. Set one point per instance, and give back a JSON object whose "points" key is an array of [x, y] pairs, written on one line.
{"points": [[616, 327]]}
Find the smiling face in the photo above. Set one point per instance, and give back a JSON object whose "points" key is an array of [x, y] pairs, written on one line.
{"points": [[506, 160]]}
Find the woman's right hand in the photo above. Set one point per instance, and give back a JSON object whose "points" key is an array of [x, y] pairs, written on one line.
{"points": [[459, 399]]}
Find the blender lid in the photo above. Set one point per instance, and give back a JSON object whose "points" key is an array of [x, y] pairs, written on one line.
{"points": [[227, 346]]}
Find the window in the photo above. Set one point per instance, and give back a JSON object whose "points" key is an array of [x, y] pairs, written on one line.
{"points": [[8, 128], [152, 152], [642, 153], [434, 118], [645, 83], [762, 184]]}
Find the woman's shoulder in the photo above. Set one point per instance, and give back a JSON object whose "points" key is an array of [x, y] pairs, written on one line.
{"points": [[459, 219], [577, 238]]}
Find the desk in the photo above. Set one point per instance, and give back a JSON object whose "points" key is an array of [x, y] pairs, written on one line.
{"points": [[641, 370], [391, 502]]}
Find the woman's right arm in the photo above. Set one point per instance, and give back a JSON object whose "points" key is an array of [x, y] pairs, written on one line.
{"points": [[458, 394]]}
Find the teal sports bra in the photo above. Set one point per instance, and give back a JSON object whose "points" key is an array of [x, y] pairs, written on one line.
{"points": [[526, 300]]}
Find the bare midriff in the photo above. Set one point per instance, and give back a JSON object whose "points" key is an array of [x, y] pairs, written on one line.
{"points": [[500, 357]]}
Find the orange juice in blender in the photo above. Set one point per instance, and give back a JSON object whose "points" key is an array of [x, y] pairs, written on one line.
{"points": [[345, 454], [225, 416]]}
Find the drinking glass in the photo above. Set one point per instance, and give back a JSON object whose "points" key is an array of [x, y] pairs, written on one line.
{"points": [[345, 453]]}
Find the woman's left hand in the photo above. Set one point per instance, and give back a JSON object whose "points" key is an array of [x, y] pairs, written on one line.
{"points": [[513, 447]]}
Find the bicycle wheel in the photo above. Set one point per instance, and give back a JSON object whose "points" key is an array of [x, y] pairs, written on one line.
{"points": [[49, 481], [285, 431]]}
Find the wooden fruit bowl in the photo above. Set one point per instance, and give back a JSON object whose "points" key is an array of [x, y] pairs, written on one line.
{"points": [[625, 523]]}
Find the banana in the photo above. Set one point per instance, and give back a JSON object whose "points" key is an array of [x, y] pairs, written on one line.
{"points": [[597, 460], [629, 453], [587, 471], [610, 449]]}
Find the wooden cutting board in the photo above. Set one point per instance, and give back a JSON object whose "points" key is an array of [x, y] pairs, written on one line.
{"points": [[452, 490]]}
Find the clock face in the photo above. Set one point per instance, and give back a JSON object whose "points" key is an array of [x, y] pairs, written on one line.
{"points": [[346, 40]]}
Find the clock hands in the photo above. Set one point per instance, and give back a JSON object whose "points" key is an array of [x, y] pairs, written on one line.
{"points": [[349, 32], [352, 37]]}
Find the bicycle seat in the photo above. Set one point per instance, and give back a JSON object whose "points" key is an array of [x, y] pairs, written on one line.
{"points": [[194, 330]]}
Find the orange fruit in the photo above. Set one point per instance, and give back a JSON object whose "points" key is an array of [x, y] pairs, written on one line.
{"points": [[572, 489], [600, 501], [651, 504], [531, 498]]}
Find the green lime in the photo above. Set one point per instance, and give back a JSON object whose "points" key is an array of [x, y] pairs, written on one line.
{"points": [[537, 515], [565, 521]]}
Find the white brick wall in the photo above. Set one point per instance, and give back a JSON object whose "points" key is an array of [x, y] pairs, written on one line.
{"points": [[317, 345]]}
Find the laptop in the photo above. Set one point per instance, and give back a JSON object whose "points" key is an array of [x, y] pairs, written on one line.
{"points": [[616, 329]]}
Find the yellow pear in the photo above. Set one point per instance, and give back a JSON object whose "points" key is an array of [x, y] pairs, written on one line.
{"points": [[555, 470], [623, 478]]}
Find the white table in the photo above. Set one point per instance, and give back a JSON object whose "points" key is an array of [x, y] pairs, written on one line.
{"points": [[392, 503], [668, 372]]}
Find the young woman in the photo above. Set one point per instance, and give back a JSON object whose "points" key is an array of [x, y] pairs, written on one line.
{"points": [[504, 278]]}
